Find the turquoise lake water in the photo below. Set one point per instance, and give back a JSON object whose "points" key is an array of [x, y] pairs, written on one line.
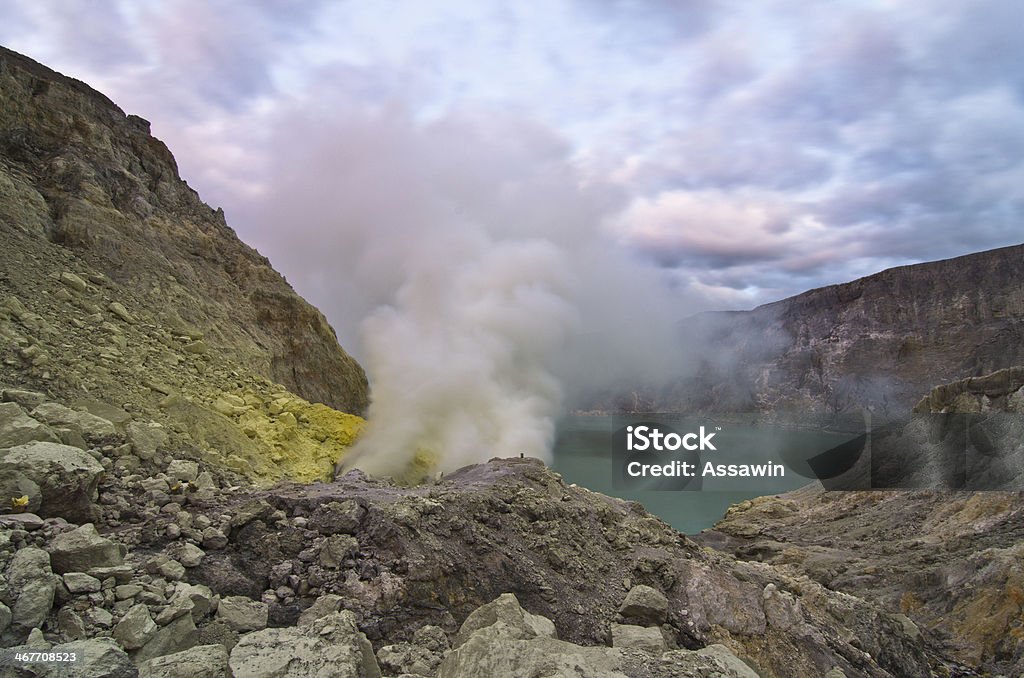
{"points": [[582, 454]]}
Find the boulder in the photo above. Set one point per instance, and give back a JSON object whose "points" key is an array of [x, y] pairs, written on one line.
{"points": [[407, 658], [492, 653], [118, 309], [121, 573], [257, 509], [80, 582], [182, 469], [90, 425], [83, 550], [200, 596], [179, 606], [336, 548], [731, 666], [37, 641], [73, 281], [644, 606], [146, 438], [214, 539], [21, 521], [166, 567], [136, 628], [27, 399], [99, 616], [179, 635], [242, 614], [647, 638], [330, 647], [337, 517], [432, 638], [5, 618], [202, 661], [17, 428], [189, 555], [67, 477], [500, 650], [30, 585], [326, 604], [515, 622], [70, 624]]}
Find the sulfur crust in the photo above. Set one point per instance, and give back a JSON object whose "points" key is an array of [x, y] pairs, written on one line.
{"points": [[290, 438]]}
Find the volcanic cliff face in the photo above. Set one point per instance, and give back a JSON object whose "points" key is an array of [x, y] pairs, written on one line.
{"points": [[877, 342], [123, 294], [86, 189]]}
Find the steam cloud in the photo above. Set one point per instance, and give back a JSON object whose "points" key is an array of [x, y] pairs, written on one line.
{"points": [[467, 265], [462, 363]]}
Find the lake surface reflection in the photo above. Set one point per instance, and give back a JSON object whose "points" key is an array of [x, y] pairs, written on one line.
{"points": [[582, 454]]}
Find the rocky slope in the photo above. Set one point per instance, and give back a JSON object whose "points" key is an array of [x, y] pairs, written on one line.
{"points": [[138, 565], [877, 342], [119, 286], [950, 561]]}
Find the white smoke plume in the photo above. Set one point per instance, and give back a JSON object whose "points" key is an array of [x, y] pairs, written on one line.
{"points": [[461, 363], [470, 269]]}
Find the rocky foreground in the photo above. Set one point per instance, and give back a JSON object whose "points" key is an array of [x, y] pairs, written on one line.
{"points": [[177, 568], [951, 561]]}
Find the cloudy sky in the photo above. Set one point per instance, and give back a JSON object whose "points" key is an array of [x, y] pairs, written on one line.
{"points": [[738, 151]]}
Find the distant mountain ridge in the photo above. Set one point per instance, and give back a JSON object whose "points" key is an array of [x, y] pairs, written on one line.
{"points": [[878, 342]]}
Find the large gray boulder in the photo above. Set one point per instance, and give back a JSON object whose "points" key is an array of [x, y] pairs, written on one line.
{"points": [[90, 425], [489, 653], [505, 612], [30, 585], [17, 428], [644, 606], [27, 399], [179, 635], [326, 604], [67, 477], [82, 549], [502, 639], [500, 650], [329, 647], [242, 614], [146, 438], [202, 661], [647, 638], [136, 628]]}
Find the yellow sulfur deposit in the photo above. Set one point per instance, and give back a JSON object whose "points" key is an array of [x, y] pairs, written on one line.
{"points": [[271, 436]]}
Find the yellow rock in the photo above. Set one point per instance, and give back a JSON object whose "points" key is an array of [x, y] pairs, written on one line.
{"points": [[18, 504]]}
